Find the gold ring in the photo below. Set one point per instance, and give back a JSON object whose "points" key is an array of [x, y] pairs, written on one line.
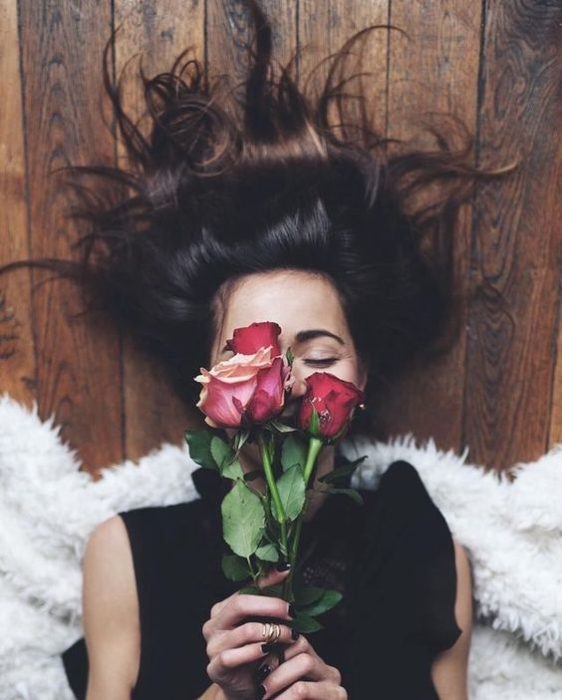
{"points": [[275, 633], [267, 630]]}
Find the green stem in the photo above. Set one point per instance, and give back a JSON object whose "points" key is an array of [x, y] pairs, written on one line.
{"points": [[254, 575], [314, 447], [270, 478]]}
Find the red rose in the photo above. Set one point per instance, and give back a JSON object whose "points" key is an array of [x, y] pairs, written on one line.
{"points": [[333, 399], [249, 339]]}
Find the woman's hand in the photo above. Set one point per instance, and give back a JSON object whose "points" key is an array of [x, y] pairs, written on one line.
{"points": [[303, 675], [234, 646]]}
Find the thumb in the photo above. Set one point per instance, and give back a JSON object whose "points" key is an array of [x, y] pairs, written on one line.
{"points": [[271, 578]]}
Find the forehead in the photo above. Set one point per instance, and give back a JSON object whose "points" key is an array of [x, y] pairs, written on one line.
{"points": [[294, 299]]}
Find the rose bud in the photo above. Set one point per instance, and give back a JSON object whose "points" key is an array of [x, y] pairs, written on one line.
{"points": [[333, 400], [245, 389], [249, 339]]}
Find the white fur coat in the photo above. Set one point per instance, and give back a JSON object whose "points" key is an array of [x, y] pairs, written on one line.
{"points": [[512, 532]]}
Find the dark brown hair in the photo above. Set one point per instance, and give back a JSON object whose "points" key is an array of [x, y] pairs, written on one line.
{"points": [[261, 176]]}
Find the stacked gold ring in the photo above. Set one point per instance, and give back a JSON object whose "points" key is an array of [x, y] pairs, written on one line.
{"points": [[271, 632]]}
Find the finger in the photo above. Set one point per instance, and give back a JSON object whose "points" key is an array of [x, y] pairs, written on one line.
{"points": [[246, 605], [301, 645], [314, 690], [216, 620], [271, 578], [302, 666], [210, 626], [248, 633], [218, 606], [223, 663]]}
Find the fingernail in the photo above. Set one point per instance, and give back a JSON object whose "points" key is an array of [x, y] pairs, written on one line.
{"points": [[261, 692], [266, 648], [294, 634], [283, 566], [292, 611], [263, 671]]}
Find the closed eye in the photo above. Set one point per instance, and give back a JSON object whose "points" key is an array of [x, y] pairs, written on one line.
{"points": [[324, 362]]}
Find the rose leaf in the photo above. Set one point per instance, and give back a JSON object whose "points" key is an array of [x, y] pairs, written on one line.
{"points": [[328, 600], [225, 458], [307, 595], [342, 471], [293, 451], [267, 552], [234, 567], [281, 427], [305, 624], [292, 489], [199, 445], [243, 519], [352, 493]]}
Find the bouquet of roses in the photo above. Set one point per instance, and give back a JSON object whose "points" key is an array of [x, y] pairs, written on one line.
{"points": [[246, 394]]}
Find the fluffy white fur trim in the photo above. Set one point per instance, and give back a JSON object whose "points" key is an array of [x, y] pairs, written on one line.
{"points": [[48, 509]]}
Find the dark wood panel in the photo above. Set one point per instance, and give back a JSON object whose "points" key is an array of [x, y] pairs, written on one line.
{"points": [[324, 28], [434, 69], [517, 236], [78, 361], [228, 30], [160, 31], [499, 391], [17, 356]]}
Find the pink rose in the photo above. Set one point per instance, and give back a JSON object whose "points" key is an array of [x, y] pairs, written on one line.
{"points": [[333, 399], [245, 389]]}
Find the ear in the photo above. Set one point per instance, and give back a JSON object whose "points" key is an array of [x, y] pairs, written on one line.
{"points": [[364, 366]]}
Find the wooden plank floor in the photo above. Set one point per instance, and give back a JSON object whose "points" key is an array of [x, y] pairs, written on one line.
{"points": [[497, 64]]}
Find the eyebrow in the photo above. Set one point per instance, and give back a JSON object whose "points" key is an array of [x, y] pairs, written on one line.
{"points": [[303, 336], [310, 334]]}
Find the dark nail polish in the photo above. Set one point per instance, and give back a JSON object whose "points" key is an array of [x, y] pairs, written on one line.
{"points": [[261, 692], [266, 648], [294, 634], [263, 671], [292, 611], [283, 566]]}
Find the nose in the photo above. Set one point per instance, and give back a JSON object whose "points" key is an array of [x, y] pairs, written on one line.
{"points": [[298, 390]]}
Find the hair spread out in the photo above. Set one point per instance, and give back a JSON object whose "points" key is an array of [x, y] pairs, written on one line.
{"points": [[260, 176]]}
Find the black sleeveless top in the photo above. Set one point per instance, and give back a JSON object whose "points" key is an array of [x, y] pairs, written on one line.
{"points": [[392, 557]]}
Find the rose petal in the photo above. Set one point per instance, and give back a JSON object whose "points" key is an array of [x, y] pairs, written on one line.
{"points": [[248, 339]]}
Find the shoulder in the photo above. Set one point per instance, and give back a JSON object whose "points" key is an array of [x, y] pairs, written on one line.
{"points": [[400, 494], [463, 604], [449, 670], [403, 488], [110, 609], [437, 564]]}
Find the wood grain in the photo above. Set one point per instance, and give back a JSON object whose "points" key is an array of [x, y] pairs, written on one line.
{"points": [[517, 237], [228, 30], [78, 360], [433, 69], [499, 391], [17, 350], [324, 28], [158, 30]]}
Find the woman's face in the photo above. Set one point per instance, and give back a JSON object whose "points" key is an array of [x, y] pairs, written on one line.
{"points": [[312, 320]]}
